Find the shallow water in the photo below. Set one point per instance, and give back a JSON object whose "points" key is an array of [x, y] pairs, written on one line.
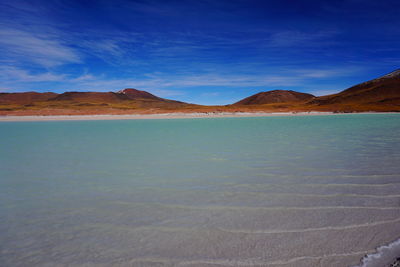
{"points": [[272, 191]]}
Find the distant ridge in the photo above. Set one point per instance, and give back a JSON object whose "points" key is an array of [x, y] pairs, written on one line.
{"points": [[125, 94], [380, 94], [275, 96], [24, 98], [110, 97], [379, 91], [89, 97], [126, 100]]}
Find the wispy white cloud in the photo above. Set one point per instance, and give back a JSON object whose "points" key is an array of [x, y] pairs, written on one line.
{"points": [[299, 38], [159, 86], [82, 78], [43, 49], [107, 48], [211, 94], [232, 80], [5, 90], [328, 72], [203, 80], [326, 91], [13, 74], [166, 85]]}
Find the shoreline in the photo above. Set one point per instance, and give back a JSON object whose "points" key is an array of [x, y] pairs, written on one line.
{"points": [[385, 255], [170, 116]]}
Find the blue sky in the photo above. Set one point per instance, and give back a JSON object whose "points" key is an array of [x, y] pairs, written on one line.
{"points": [[204, 51]]}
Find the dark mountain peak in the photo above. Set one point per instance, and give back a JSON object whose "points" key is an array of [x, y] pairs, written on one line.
{"points": [[275, 96]]}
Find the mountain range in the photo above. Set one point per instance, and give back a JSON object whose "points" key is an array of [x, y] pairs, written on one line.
{"points": [[381, 94]]}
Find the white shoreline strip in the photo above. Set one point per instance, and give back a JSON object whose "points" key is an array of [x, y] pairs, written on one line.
{"points": [[173, 116], [382, 256]]}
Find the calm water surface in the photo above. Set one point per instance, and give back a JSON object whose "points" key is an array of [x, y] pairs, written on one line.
{"points": [[273, 191]]}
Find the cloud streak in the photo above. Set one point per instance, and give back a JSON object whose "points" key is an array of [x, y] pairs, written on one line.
{"points": [[187, 48], [13, 74], [165, 84], [41, 49], [300, 38]]}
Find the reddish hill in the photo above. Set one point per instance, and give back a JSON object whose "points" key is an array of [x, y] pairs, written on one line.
{"points": [[381, 91], [275, 96], [111, 97], [103, 97], [24, 98], [381, 94], [137, 94], [124, 101]]}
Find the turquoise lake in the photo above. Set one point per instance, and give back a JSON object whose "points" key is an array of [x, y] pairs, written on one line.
{"points": [[263, 191]]}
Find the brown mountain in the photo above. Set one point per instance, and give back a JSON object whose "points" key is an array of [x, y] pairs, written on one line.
{"points": [[102, 97], [124, 101], [275, 96], [24, 98], [383, 92], [110, 97], [135, 94], [138, 94]]}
